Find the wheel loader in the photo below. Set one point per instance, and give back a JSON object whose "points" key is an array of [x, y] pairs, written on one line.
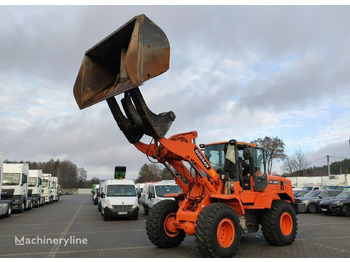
{"points": [[225, 189]]}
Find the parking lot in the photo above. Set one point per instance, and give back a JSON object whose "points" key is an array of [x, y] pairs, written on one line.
{"points": [[75, 219]]}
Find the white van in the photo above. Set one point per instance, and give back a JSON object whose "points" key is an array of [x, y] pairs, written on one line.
{"points": [[96, 194], [99, 199], [156, 192], [143, 196], [119, 199]]}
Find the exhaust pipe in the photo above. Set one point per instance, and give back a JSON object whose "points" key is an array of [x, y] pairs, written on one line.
{"points": [[133, 54]]}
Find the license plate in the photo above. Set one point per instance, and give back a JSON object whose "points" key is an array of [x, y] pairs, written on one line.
{"points": [[122, 213], [324, 209]]}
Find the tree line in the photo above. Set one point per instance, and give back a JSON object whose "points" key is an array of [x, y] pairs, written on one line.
{"points": [[68, 173]]}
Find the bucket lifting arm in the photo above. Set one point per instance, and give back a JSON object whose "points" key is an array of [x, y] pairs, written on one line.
{"points": [[133, 54]]}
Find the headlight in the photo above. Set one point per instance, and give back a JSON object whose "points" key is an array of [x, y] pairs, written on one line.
{"points": [[109, 204], [336, 203], [136, 203], [306, 202]]}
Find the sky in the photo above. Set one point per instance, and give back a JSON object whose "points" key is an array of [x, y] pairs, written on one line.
{"points": [[236, 72]]}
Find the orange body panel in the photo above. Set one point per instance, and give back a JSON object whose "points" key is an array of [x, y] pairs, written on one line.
{"points": [[205, 186]]}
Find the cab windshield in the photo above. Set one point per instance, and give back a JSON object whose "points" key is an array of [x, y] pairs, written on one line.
{"points": [[314, 193], [45, 183], [32, 182], [121, 190], [11, 179], [230, 159], [222, 158], [170, 189]]}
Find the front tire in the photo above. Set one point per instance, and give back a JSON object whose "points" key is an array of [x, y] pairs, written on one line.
{"points": [[9, 211], [158, 225], [22, 207], [312, 208], [217, 231], [279, 224]]}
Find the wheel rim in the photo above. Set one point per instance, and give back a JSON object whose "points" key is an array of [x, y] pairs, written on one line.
{"points": [[312, 208], [286, 223], [169, 226], [346, 210], [225, 233]]}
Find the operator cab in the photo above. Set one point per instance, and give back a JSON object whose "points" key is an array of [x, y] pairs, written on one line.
{"points": [[240, 161]]}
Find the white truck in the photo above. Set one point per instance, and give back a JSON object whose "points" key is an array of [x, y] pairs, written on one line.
{"points": [[143, 196], [34, 187], [157, 192], [119, 199], [54, 188], [15, 186], [102, 189], [46, 188], [96, 194], [5, 205]]}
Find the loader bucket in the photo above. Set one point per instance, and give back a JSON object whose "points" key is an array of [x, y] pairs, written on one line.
{"points": [[133, 54]]}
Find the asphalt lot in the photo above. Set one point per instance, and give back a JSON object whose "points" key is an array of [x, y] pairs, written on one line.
{"points": [[75, 218]]}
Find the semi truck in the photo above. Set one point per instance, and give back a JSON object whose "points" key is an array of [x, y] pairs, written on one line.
{"points": [[5, 205], [54, 188], [15, 186], [46, 188], [34, 187]]}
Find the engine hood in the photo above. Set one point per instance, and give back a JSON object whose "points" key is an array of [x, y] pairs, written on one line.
{"points": [[335, 201]]}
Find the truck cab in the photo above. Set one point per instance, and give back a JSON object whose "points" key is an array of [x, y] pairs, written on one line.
{"points": [[46, 188], [119, 199], [34, 187], [54, 188], [15, 186], [5, 205]]}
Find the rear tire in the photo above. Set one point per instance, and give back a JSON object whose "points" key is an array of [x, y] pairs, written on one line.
{"points": [[218, 231], [156, 226], [312, 208], [279, 224]]}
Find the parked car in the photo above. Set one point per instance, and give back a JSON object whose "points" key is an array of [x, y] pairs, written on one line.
{"points": [[314, 197], [300, 193], [338, 205], [69, 193]]}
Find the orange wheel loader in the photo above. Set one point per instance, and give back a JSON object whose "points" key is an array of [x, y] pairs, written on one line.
{"points": [[225, 190]]}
